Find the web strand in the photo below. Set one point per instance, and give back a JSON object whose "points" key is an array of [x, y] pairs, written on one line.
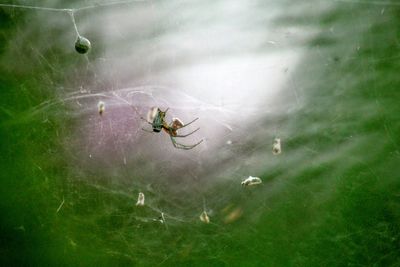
{"points": [[377, 3], [37, 8], [110, 4], [73, 9], [71, 13]]}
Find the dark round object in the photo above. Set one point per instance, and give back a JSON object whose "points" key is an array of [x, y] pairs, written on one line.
{"points": [[82, 45]]}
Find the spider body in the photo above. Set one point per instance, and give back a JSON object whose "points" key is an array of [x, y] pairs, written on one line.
{"points": [[156, 118], [158, 122]]}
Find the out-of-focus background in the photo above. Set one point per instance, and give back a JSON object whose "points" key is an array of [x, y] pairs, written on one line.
{"points": [[323, 76]]}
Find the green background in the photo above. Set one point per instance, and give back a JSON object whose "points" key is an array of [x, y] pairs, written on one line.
{"points": [[332, 198]]}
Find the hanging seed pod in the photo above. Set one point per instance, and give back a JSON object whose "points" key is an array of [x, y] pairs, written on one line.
{"points": [[82, 45]]}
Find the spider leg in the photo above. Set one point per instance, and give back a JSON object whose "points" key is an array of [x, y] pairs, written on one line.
{"points": [[184, 135], [189, 123], [147, 130], [146, 120], [185, 147], [148, 123]]}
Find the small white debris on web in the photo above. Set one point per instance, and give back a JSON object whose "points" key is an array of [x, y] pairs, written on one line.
{"points": [[162, 220], [276, 148], [140, 200], [101, 106], [229, 142], [251, 181], [204, 217]]}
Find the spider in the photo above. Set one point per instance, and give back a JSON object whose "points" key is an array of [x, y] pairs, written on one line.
{"points": [[156, 118]]}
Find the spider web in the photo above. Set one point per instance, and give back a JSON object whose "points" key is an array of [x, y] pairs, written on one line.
{"points": [[232, 64], [156, 59]]}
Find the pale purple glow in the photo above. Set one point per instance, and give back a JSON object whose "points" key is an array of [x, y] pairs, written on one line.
{"points": [[215, 63]]}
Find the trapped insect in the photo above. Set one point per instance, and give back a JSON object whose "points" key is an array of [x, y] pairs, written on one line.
{"points": [[140, 201], [251, 181], [204, 217], [276, 148], [156, 118], [101, 107]]}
